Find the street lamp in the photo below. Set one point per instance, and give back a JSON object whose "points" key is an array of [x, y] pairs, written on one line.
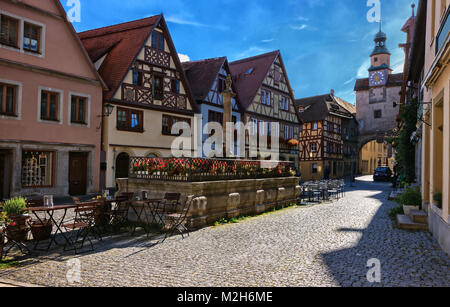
{"points": [[107, 110]]}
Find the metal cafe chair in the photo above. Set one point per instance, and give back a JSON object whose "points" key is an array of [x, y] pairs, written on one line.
{"points": [[176, 221], [81, 227], [332, 189], [119, 210]]}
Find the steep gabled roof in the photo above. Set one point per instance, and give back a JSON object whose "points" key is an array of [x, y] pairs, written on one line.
{"points": [[202, 74], [346, 105], [393, 81], [75, 36], [317, 108], [121, 43], [248, 75]]}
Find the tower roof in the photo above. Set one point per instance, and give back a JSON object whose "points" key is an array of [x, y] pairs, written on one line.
{"points": [[380, 43]]}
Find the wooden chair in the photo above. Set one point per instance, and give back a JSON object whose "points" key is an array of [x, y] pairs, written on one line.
{"points": [[82, 226]]}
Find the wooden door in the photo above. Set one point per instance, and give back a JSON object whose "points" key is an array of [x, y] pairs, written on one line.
{"points": [[77, 173], [122, 165]]}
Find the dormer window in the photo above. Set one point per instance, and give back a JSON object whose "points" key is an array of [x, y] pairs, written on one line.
{"points": [[31, 37], [9, 30], [158, 40]]}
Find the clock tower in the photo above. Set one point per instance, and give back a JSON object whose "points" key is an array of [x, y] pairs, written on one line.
{"points": [[380, 61]]}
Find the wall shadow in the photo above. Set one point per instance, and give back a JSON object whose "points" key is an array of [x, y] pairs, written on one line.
{"points": [[407, 258]]}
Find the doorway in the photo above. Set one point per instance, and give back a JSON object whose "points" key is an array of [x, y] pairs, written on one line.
{"points": [[122, 165], [5, 174], [78, 173]]}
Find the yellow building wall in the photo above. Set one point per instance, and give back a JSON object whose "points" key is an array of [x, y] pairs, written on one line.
{"points": [[371, 154]]}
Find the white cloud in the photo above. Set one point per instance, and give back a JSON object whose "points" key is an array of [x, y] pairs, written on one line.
{"points": [[299, 28], [363, 69], [183, 21], [184, 58], [267, 41]]}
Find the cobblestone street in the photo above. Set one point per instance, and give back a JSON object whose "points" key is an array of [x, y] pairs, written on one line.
{"points": [[320, 245]]}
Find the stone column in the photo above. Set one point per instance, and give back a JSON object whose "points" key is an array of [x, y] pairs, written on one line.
{"points": [[228, 96]]}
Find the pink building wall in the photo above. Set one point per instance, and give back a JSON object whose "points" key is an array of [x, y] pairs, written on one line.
{"points": [[63, 67]]}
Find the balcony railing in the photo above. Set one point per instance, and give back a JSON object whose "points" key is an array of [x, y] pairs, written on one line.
{"points": [[201, 170], [443, 32]]}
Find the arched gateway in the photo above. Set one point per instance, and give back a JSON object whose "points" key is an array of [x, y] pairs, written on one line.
{"points": [[377, 98]]}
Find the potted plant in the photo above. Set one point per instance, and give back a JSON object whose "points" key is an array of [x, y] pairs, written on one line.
{"points": [[411, 200], [41, 230], [18, 221], [438, 199]]}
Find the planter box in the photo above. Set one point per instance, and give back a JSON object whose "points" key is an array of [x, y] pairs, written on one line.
{"points": [[221, 199], [409, 209]]}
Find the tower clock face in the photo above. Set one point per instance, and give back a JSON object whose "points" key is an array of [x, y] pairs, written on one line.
{"points": [[377, 78]]}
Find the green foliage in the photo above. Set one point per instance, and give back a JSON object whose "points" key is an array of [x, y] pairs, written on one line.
{"points": [[405, 149], [438, 198], [396, 211], [411, 197], [3, 217], [8, 263], [15, 206]]}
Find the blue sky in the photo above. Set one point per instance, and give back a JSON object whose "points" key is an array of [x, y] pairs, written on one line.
{"points": [[325, 43]]}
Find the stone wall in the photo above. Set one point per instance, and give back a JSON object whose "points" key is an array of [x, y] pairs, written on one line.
{"points": [[221, 199]]}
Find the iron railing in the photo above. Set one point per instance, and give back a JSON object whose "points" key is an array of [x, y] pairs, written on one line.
{"points": [[200, 169]]}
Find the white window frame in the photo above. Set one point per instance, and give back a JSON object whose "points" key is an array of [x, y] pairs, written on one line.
{"points": [[18, 100], [314, 150], [60, 105], [20, 34], [88, 109]]}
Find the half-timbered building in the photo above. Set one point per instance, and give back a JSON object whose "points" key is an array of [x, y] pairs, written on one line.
{"points": [[321, 139], [207, 81], [266, 96], [147, 86]]}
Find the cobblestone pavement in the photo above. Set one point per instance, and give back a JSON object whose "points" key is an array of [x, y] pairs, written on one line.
{"points": [[322, 245]]}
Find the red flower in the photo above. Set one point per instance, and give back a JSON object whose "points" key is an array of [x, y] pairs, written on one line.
{"points": [[13, 224]]}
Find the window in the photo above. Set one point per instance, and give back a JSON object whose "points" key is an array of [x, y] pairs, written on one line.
{"points": [[130, 120], [284, 103], [315, 168], [9, 30], [377, 114], [315, 126], [220, 85], [158, 40], [175, 86], [168, 122], [215, 117], [266, 98], [158, 87], [313, 147], [138, 77], [8, 98], [49, 105], [31, 37], [37, 169], [78, 107]]}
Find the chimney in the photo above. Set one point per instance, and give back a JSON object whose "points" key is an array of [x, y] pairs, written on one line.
{"points": [[332, 92]]}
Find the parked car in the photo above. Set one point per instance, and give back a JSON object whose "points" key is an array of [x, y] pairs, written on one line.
{"points": [[383, 174]]}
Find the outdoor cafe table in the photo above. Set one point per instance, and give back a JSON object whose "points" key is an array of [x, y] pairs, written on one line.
{"points": [[153, 206], [50, 211]]}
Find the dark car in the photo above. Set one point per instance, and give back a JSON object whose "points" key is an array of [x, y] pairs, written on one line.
{"points": [[383, 174]]}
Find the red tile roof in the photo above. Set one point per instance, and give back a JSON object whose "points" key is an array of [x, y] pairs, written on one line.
{"points": [[121, 43], [202, 74], [317, 108], [393, 81], [248, 84]]}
